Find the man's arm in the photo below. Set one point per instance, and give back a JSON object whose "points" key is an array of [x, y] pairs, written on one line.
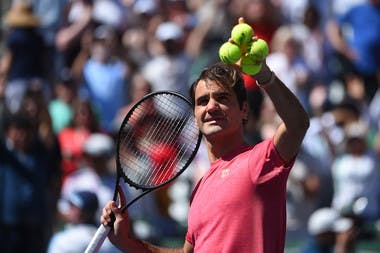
{"points": [[121, 237], [290, 133], [335, 37], [187, 248], [5, 63], [66, 35]]}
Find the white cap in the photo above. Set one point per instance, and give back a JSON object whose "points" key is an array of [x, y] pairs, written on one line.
{"points": [[328, 220], [169, 31], [99, 145], [103, 32], [107, 12], [145, 6], [358, 129]]}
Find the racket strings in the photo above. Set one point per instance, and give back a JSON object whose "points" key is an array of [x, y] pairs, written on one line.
{"points": [[170, 125], [176, 160], [139, 162], [168, 169], [161, 169]]}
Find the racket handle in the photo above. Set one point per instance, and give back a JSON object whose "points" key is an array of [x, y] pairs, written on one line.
{"points": [[98, 239]]}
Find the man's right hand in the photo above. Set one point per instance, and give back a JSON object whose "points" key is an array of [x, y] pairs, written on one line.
{"points": [[113, 216]]}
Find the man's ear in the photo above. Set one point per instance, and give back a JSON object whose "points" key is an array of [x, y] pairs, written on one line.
{"points": [[195, 121], [244, 110]]}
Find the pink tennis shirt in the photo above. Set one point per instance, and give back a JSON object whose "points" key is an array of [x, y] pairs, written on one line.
{"points": [[240, 203]]}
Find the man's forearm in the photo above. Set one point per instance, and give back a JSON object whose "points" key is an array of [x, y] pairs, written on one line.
{"points": [[287, 106], [136, 245], [285, 102], [156, 249], [289, 135]]}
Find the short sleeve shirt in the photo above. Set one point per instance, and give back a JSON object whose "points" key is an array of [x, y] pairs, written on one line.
{"points": [[240, 203]]}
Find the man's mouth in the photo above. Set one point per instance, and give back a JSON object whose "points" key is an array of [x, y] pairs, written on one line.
{"points": [[214, 119]]}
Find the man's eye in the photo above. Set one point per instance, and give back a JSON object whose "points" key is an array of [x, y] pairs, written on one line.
{"points": [[222, 99], [202, 101]]}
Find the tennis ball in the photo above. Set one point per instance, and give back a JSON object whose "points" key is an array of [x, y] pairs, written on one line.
{"points": [[242, 33], [250, 66], [258, 50], [229, 52]]}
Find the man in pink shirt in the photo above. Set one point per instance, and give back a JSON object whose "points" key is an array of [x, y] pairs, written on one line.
{"points": [[239, 205]]}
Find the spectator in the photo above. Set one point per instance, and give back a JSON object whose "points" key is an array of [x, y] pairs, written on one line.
{"points": [[304, 194], [94, 173], [311, 35], [35, 105], [72, 138], [168, 70], [292, 11], [142, 21], [358, 48], [49, 13], [322, 141], [21, 66], [210, 18], [356, 174], [76, 23], [330, 232], [27, 177], [61, 105], [286, 59], [105, 77], [340, 7], [139, 87], [81, 226]]}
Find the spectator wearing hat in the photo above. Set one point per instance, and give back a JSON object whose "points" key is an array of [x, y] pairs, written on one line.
{"points": [[22, 63], [94, 173], [170, 68], [329, 232], [80, 227], [356, 175]]}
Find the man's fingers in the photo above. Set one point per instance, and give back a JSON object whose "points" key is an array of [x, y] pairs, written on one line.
{"points": [[121, 196], [108, 210]]}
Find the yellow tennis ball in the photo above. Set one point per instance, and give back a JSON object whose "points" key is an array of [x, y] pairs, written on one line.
{"points": [[229, 52], [258, 50], [249, 66], [242, 34]]}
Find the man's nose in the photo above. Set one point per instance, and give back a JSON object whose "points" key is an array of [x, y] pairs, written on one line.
{"points": [[213, 105]]}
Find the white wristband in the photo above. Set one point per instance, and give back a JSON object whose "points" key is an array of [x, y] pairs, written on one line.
{"points": [[271, 80]]}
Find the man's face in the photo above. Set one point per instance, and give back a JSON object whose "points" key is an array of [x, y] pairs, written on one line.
{"points": [[217, 111], [20, 138]]}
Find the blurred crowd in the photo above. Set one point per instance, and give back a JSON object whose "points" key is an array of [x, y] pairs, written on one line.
{"points": [[71, 69]]}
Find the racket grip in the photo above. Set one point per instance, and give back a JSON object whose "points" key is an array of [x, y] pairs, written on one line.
{"points": [[98, 239]]}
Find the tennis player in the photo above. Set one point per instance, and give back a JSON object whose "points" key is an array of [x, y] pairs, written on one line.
{"points": [[239, 204]]}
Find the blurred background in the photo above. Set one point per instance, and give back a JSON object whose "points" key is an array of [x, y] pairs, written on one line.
{"points": [[71, 69]]}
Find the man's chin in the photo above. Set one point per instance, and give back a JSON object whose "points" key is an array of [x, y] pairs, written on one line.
{"points": [[213, 132]]}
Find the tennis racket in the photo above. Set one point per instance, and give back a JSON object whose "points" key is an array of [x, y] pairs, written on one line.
{"points": [[157, 141]]}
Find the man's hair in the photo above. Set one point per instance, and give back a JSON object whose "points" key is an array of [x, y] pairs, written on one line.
{"points": [[227, 75], [19, 120]]}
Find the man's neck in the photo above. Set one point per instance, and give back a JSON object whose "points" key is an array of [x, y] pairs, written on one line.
{"points": [[222, 146]]}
